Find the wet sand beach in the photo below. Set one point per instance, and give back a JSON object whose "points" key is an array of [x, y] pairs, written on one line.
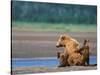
{"points": [[32, 69], [31, 44], [43, 44]]}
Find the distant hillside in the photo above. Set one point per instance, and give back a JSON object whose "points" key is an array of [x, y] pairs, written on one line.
{"points": [[53, 13]]}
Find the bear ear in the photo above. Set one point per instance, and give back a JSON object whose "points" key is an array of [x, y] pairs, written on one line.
{"points": [[63, 37], [86, 41]]}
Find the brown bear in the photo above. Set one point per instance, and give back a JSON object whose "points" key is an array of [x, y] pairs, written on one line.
{"points": [[79, 57], [70, 45]]}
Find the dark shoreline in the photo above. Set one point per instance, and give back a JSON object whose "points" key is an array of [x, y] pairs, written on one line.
{"points": [[33, 70]]}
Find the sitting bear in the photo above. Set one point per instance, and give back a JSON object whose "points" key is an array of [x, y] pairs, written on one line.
{"points": [[79, 57], [70, 46]]}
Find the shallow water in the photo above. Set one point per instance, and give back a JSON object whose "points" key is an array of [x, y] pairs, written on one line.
{"points": [[46, 61]]}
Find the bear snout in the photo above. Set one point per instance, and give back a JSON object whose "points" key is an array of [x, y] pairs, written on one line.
{"points": [[60, 45], [57, 45]]}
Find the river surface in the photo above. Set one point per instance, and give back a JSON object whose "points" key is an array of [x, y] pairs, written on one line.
{"points": [[44, 61]]}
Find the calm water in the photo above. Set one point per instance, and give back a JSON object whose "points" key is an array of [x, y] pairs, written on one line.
{"points": [[51, 61]]}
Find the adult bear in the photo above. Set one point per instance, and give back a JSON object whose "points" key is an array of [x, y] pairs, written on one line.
{"points": [[70, 46]]}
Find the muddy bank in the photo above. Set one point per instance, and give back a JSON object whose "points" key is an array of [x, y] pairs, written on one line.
{"points": [[31, 70], [30, 44]]}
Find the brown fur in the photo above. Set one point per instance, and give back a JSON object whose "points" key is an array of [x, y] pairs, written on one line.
{"points": [[70, 45], [62, 59], [84, 52], [80, 57], [72, 55]]}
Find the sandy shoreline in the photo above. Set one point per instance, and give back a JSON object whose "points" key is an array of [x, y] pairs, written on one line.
{"points": [[43, 44], [32, 69]]}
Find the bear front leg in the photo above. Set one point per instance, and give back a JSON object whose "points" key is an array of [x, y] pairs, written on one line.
{"points": [[58, 55], [62, 59]]}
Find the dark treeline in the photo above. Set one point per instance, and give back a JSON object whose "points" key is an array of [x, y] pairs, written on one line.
{"points": [[53, 13]]}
